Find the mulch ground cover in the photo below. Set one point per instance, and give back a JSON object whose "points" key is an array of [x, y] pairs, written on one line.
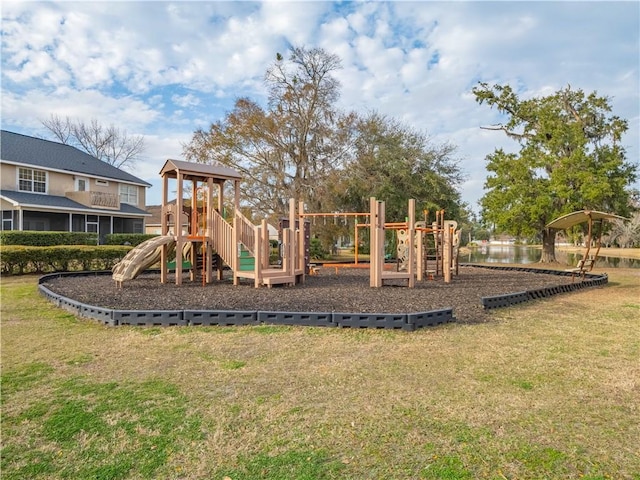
{"points": [[345, 291]]}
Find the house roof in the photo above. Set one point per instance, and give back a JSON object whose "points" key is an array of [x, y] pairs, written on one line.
{"points": [[54, 202], [199, 170], [26, 150]]}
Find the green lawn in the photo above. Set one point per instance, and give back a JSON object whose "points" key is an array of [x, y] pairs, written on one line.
{"points": [[550, 390]]}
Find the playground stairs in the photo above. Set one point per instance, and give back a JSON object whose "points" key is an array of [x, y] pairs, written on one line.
{"points": [[248, 242], [246, 260], [266, 276]]}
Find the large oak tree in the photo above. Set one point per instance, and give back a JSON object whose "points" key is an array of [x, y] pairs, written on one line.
{"points": [[302, 146], [570, 158], [394, 163], [288, 149]]}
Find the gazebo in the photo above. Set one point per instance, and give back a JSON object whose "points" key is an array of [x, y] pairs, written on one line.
{"points": [[590, 217]]}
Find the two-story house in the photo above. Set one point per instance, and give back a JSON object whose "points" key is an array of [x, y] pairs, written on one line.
{"points": [[46, 185]]}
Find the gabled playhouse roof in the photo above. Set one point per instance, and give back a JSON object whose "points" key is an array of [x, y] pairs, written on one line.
{"points": [[25, 150], [197, 171]]}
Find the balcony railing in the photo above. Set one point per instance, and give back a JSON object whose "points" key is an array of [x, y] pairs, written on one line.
{"points": [[107, 200], [96, 199]]}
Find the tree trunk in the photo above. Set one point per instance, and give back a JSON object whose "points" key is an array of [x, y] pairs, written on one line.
{"points": [[548, 246]]}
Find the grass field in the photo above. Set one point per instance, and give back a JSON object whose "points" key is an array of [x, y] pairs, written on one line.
{"points": [[547, 390]]}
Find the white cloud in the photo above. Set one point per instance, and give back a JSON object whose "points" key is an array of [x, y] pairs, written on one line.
{"points": [[27, 110], [295, 21], [163, 69], [188, 100]]}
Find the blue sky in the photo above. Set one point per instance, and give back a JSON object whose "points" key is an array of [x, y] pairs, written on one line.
{"points": [[164, 69]]}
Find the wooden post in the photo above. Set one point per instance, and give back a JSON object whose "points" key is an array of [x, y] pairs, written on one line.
{"points": [[193, 251], [377, 211], [419, 256], [411, 231], [165, 229], [257, 258], [219, 235], [236, 245], [178, 227], [302, 266], [292, 247], [373, 242], [194, 220], [355, 236], [589, 236], [209, 231], [446, 252], [437, 245], [263, 244], [382, 214]]}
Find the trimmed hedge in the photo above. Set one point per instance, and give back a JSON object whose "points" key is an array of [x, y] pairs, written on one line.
{"points": [[26, 259], [44, 239], [132, 239]]}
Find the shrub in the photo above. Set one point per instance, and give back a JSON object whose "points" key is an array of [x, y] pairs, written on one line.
{"points": [[316, 250], [25, 259], [44, 239], [132, 239]]}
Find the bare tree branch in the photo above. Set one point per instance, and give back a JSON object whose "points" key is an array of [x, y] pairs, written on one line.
{"points": [[109, 144]]}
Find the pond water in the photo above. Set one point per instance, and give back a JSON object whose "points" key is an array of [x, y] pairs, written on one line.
{"points": [[524, 255]]}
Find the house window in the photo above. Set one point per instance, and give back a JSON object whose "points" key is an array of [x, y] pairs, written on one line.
{"points": [[128, 194], [30, 180], [7, 220], [92, 224], [82, 184]]}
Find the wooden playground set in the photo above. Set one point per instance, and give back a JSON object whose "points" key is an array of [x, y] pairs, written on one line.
{"points": [[198, 239]]}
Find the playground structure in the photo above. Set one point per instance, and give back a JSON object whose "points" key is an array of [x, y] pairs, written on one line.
{"points": [[196, 231], [434, 252], [240, 244], [414, 259], [202, 238], [429, 254]]}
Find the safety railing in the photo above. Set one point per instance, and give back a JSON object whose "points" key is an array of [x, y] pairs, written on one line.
{"points": [[223, 238]]}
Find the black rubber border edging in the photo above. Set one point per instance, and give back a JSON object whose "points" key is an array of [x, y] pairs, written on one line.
{"points": [[403, 321], [166, 318], [510, 299]]}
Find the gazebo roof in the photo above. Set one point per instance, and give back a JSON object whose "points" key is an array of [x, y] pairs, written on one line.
{"points": [[581, 216]]}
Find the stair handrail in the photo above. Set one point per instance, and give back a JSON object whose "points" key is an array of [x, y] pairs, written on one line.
{"points": [[223, 238], [246, 232]]}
